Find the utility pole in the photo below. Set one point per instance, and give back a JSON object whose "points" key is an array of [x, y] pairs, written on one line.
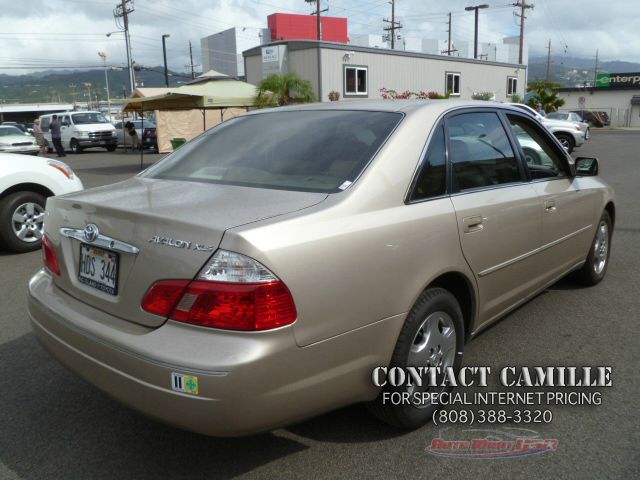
{"points": [[122, 11], [318, 13], [319, 20], [164, 54], [193, 74], [475, 36], [523, 6], [549, 62], [595, 73], [393, 25], [449, 50]]}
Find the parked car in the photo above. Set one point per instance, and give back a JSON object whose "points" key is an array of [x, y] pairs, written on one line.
{"points": [[14, 140], [20, 126], [594, 118], [25, 184], [573, 118], [80, 130], [569, 134], [145, 129], [259, 275]]}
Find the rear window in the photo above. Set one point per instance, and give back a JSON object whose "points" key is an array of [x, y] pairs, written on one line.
{"points": [[319, 151]]}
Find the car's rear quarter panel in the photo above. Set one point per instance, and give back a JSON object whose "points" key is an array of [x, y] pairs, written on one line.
{"points": [[362, 255]]}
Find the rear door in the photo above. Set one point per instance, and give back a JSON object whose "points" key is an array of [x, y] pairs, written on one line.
{"points": [[497, 210], [567, 208]]}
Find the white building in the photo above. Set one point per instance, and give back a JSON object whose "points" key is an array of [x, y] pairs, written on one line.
{"points": [[361, 72], [617, 94]]}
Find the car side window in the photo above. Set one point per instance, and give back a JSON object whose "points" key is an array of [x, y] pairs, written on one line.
{"points": [[432, 179], [542, 159], [480, 152]]}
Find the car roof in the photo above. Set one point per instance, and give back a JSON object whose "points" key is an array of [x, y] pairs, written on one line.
{"points": [[437, 106]]}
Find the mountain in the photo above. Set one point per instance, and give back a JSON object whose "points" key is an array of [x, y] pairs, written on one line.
{"points": [[67, 86], [574, 71]]}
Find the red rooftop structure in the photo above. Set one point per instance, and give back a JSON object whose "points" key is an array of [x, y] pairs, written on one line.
{"points": [[287, 26]]}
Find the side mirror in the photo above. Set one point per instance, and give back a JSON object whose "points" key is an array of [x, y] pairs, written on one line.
{"points": [[586, 167]]}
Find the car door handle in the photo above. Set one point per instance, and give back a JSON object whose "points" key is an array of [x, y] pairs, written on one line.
{"points": [[472, 224], [550, 206]]}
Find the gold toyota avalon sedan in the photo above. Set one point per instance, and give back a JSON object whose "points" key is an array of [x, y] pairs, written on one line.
{"points": [[258, 275]]}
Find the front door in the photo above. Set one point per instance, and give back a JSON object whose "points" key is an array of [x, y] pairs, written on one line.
{"points": [[567, 208], [497, 210]]}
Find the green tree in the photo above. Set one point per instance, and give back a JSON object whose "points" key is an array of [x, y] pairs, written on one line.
{"points": [[279, 90], [546, 94]]}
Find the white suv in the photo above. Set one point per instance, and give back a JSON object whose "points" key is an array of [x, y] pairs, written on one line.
{"points": [[569, 134]]}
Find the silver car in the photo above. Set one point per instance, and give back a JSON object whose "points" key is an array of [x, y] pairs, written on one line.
{"points": [[14, 140], [573, 118], [261, 273]]}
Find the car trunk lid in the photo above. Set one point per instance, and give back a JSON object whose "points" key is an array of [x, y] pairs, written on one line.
{"points": [[175, 226]]}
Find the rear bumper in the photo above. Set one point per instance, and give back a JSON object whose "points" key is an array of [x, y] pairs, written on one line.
{"points": [[247, 383]]}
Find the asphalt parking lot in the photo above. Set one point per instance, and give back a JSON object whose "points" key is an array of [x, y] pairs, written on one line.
{"points": [[54, 425]]}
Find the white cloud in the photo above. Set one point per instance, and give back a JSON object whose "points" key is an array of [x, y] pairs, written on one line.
{"points": [[42, 34]]}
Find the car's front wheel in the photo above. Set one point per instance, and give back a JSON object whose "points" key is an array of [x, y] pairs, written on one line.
{"points": [[595, 267], [75, 146], [566, 141], [21, 221], [432, 336], [111, 148]]}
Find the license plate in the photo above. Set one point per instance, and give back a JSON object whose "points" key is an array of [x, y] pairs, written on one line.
{"points": [[99, 269]]}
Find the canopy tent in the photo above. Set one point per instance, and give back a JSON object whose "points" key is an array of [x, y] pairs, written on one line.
{"points": [[181, 112], [209, 90]]}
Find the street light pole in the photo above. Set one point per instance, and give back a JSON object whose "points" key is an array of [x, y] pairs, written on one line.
{"points": [[475, 38], [103, 56], [164, 53], [132, 78]]}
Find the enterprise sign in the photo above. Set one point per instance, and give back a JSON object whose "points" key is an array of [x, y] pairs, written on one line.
{"points": [[618, 80]]}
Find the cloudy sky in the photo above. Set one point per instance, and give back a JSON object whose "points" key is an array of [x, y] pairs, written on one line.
{"points": [[44, 34]]}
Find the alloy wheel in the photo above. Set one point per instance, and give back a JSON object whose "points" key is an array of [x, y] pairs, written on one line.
{"points": [[27, 222]]}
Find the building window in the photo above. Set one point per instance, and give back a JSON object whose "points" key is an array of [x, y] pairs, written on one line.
{"points": [[355, 80], [453, 83], [512, 85]]}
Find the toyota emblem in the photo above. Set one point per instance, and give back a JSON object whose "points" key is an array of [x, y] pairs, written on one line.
{"points": [[91, 232]]}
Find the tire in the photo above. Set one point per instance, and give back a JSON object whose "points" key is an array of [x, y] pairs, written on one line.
{"points": [[74, 146], [436, 310], [111, 148], [595, 267], [566, 140], [29, 206], [531, 156]]}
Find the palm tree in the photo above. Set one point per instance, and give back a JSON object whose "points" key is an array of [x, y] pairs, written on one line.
{"points": [[279, 90], [546, 94]]}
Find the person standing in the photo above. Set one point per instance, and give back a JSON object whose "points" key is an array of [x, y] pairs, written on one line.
{"points": [[37, 132], [56, 138], [135, 139]]}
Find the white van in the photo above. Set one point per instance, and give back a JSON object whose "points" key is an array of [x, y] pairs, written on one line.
{"points": [[79, 130]]}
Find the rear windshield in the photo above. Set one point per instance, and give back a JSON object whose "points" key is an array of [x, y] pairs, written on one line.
{"points": [[87, 118], [319, 151]]}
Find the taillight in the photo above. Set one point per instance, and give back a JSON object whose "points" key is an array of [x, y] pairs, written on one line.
{"points": [[232, 292], [162, 296], [49, 256]]}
